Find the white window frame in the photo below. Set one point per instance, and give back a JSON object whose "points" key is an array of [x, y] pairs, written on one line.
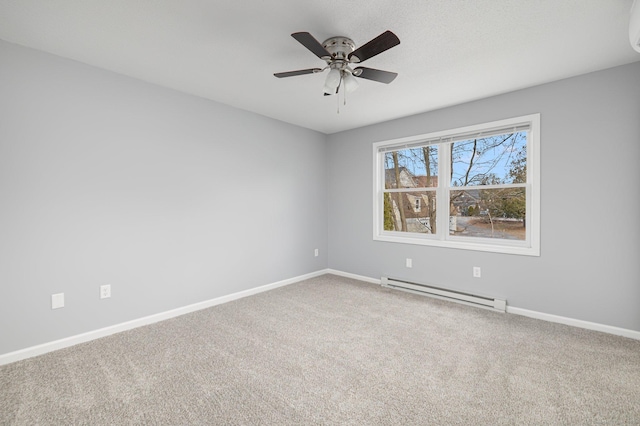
{"points": [[529, 247]]}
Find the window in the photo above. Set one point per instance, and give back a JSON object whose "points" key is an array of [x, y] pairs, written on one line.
{"points": [[474, 188]]}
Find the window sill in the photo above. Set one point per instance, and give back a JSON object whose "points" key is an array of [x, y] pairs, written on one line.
{"points": [[462, 243]]}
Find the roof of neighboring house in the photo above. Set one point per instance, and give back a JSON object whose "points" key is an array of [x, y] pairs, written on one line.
{"points": [[390, 175], [416, 181], [423, 182]]}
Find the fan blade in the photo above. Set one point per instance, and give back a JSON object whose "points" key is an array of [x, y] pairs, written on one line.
{"points": [[384, 41], [299, 72], [308, 41], [375, 75]]}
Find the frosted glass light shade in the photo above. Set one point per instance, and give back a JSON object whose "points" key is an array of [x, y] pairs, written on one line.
{"points": [[332, 81], [350, 82]]}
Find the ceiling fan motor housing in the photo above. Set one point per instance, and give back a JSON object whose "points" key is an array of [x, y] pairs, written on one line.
{"points": [[339, 47]]}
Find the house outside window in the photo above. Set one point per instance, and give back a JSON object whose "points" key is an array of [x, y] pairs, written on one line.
{"points": [[489, 200]]}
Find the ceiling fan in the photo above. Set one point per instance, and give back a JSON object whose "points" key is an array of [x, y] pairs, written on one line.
{"points": [[340, 53]]}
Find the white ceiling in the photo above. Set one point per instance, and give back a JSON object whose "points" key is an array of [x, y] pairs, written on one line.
{"points": [[451, 51]]}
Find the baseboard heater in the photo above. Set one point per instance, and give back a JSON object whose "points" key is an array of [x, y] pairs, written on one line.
{"points": [[446, 294]]}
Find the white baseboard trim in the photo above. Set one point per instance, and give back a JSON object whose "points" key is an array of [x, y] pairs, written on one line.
{"points": [[353, 276], [117, 328], [632, 334]]}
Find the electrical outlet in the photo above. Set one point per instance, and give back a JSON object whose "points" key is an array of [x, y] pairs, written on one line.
{"points": [[409, 263], [57, 301], [315, 252], [105, 291], [477, 272]]}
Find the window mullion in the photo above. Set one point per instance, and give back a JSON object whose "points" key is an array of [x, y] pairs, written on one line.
{"points": [[422, 189], [442, 199], [499, 186]]}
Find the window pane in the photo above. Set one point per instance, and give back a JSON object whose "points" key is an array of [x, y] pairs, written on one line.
{"points": [[490, 161], [411, 168], [488, 213], [410, 212]]}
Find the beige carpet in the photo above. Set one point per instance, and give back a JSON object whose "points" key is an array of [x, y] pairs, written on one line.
{"points": [[332, 350]]}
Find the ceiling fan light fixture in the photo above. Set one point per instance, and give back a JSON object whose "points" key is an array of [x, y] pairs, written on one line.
{"points": [[332, 81]]}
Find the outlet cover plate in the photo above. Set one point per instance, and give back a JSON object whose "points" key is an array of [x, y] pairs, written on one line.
{"points": [[105, 291], [57, 301], [477, 272]]}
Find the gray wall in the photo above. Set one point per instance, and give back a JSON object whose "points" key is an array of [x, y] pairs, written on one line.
{"points": [[589, 268], [174, 200], [169, 198]]}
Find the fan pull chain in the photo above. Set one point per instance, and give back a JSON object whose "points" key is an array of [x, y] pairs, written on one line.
{"points": [[338, 94], [344, 91]]}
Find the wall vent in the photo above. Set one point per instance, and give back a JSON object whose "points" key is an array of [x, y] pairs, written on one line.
{"points": [[446, 294]]}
